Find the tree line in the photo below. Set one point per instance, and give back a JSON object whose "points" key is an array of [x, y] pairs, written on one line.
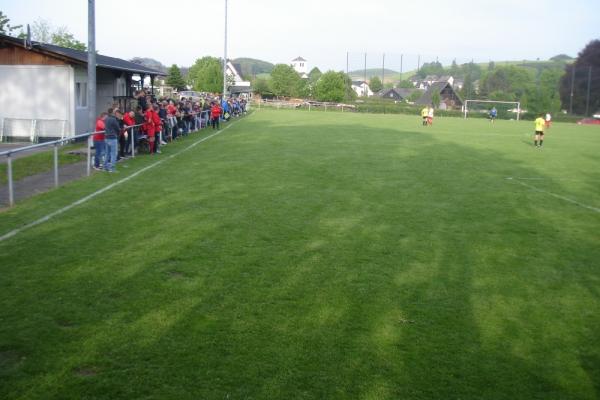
{"points": [[206, 75]]}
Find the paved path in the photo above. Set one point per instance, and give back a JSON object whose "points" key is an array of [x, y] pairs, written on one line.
{"points": [[12, 146], [35, 184]]}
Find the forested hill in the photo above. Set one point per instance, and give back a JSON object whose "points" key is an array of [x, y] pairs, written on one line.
{"points": [[251, 66]]}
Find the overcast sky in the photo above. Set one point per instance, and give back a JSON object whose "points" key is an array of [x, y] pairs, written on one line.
{"points": [[323, 31]]}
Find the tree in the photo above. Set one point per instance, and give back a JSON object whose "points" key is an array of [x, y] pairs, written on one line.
{"points": [[471, 69], [508, 79], [406, 84], [468, 90], [314, 75], [331, 87], [175, 79], [206, 75], [62, 37], [261, 86], [375, 84], [454, 69], [285, 81], [414, 96], [436, 99], [432, 68], [44, 32], [41, 31], [5, 27], [544, 96], [588, 58], [561, 58]]}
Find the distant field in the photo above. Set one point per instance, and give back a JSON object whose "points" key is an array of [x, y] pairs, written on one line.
{"points": [[315, 255]]}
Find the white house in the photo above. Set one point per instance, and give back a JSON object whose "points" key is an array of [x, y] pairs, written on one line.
{"points": [[237, 85], [44, 89], [300, 65], [234, 74], [362, 89]]}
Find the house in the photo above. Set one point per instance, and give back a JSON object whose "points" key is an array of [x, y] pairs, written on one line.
{"points": [[44, 88], [362, 89], [448, 97], [234, 75], [300, 65], [458, 84], [396, 94]]}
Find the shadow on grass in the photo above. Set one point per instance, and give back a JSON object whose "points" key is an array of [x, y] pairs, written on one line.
{"points": [[381, 269]]}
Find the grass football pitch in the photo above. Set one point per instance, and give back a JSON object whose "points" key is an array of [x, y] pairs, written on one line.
{"points": [[311, 255]]}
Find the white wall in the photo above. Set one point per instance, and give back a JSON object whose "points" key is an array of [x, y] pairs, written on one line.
{"points": [[301, 67], [37, 92]]}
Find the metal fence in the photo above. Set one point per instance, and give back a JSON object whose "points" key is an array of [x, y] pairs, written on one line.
{"points": [[305, 105], [33, 127]]}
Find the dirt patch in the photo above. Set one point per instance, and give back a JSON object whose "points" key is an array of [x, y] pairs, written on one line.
{"points": [[65, 324], [9, 360], [86, 371], [176, 275]]}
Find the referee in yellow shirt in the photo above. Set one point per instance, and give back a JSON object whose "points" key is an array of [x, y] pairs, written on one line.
{"points": [[540, 122]]}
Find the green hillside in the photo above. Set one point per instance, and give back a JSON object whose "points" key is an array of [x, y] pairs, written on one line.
{"points": [[533, 65], [251, 66]]}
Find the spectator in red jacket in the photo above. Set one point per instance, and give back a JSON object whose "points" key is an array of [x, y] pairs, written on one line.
{"points": [[215, 115], [150, 128], [99, 144]]}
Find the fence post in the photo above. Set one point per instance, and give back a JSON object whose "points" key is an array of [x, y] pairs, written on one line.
{"points": [[132, 142], [89, 155], [11, 198], [55, 164]]}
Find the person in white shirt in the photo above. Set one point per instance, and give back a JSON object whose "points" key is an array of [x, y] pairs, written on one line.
{"points": [[548, 120], [430, 116]]}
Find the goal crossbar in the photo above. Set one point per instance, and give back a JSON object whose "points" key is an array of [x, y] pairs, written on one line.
{"points": [[517, 103]]}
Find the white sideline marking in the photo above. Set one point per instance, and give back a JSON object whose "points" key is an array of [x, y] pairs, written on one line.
{"points": [[107, 188], [554, 195], [547, 179]]}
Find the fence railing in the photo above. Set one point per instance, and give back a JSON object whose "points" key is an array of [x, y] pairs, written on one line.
{"points": [[306, 105], [89, 142]]}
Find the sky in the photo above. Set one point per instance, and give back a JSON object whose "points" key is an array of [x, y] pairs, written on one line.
{"points": [[326, 32]]}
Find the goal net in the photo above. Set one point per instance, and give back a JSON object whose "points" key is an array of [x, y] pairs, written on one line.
{"points": [[483, 109]]}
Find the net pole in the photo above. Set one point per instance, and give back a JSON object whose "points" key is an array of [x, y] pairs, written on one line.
{"points": [[365, 68], [383, 70], [401, 62], [587, 100], [572, 88]]}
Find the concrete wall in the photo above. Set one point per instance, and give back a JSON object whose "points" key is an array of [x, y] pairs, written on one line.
{"points": [[106, 87], [41, 92]]}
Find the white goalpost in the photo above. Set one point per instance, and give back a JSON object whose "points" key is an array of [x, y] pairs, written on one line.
{"points": [[516, 104]]}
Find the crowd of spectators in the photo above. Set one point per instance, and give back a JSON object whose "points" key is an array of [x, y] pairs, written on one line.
{"points": [[156, 122]]}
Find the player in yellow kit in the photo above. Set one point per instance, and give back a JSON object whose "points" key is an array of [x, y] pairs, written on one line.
{"points": [[424, 115], [540, 123]]}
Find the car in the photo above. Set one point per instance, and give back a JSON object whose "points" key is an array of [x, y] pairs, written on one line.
{"points": [[589, 121], [196, 96]]}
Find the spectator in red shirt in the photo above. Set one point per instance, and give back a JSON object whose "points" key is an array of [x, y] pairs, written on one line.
{"points": [[99, 143], [215, 115], [157, 126], [128, 120]]}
